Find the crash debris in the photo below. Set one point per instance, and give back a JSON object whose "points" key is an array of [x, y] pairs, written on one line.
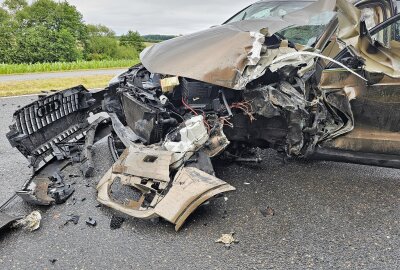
{"points": [[91, 222], [74, 219], [267, 212], [227, 239], [319, 82], [116, 222], [30, 223]]}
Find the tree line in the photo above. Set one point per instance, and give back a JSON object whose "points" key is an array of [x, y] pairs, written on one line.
{"points": [[157, 38], [49, 31]]}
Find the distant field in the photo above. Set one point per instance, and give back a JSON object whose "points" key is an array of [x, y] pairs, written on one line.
{"points": [[79, 65], [36, 86], [148, 44]]}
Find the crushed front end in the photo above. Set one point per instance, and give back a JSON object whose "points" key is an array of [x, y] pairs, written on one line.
{"points": [[216, 94]]}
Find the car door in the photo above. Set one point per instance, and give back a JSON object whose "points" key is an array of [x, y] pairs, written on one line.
{"points": [[375, 104]]}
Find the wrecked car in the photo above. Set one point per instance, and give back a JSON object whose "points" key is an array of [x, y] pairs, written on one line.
{"points": [[310, 79]]}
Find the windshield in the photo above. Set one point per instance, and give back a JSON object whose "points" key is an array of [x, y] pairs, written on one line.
{"points": [[308, 34], [262, 10]]}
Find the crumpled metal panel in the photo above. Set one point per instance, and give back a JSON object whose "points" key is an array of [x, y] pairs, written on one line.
{"points": [[221, 54], [203, 56], [378, 58], [140, 190]]}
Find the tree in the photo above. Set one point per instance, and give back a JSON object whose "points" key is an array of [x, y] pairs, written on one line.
{"points": [[4, 16], [7, 37], [157, 38], [15, 5], [99, 31], [134, 40], [53, 16], [102, 44], [50, 31], [45, 31]]}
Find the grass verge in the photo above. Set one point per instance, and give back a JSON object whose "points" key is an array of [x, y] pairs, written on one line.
{"points": [[61, 66], [36, 86], [148, 44]]}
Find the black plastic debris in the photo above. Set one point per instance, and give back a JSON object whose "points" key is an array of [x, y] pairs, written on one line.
{"points": [[73, 218], [91, 222], [267, 211], [53, 261], [61, 194], [73, 201], [116, 222]]}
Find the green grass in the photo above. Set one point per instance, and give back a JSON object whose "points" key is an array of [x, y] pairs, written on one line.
{"points": [[17, 88], [148, 44], [60, 66]]}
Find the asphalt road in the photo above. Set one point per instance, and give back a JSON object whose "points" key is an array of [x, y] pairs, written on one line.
{"points": [[54, 75], [327, 215]]}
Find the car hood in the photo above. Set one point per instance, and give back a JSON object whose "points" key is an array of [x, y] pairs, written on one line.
{"points": [[220, 55]]}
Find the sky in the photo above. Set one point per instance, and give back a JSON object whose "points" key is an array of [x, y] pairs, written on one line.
{"points": [[158, 16]]}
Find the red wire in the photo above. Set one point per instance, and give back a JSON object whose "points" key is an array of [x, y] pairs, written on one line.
{"points": [[204, 116], [188, 107]]}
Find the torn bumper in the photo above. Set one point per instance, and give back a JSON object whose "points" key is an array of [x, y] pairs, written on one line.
{"points": [[139, 185]]}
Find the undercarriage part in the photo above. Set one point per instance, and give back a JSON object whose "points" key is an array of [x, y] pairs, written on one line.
{"points": [[113, 148], [139, 185], [244, 160], [372, 159], [249, 160]]}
